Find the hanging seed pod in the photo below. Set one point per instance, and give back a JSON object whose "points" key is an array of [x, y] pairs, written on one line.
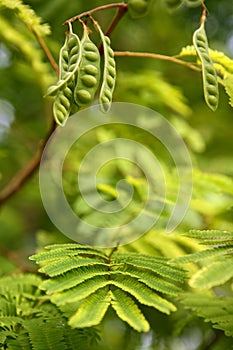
{"points": [[209, 76], [62, 105], [89, 72], [109, 72], [69, 59]]}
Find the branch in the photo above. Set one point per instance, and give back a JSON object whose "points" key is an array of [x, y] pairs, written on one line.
{"points": [[120, 13], [25, 174], [121, 5], [157, 56], [46, 51]]}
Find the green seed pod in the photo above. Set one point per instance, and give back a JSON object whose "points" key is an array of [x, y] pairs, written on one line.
{"points": [[139, 8], [193, 3], [109, 73], [89, 72], [69, 59], [62, 104], [209, 76]]}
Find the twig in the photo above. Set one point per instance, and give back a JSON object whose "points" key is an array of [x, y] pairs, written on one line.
{"points": [[100, 8], [25, 174], [46, 51], [120, 13], [157, 56]]}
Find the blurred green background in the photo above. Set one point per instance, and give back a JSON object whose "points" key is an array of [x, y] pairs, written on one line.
{"points": [[172, 90]]}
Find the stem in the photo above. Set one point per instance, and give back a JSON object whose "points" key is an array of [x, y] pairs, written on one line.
{"points": [[100, 8], [25, 174], [120, 13], [204, 13], [157, 56], [113, 251], [46, 51]]}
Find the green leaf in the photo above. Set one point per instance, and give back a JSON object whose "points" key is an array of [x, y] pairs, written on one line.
{"points": [[92, 309], [204, 254], [158, 265], [80, 292], [219, 311], [214, 274], [128, 311], [73, 278], [60, 252], [227, 82], [220, 243], [45, 335], [151, 280], [212, 237], [61, 266], [142, 293]]}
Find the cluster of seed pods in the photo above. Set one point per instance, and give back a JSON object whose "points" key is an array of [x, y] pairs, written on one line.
{"points": [[80, 75]]}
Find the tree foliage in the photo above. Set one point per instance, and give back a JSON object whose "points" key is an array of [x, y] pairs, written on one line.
{"points": [[154, 292]]}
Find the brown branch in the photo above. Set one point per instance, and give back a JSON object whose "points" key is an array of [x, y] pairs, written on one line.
{"points": [[157, 56], [25, 174], [100, 8], [120, 13], [46, 51]]}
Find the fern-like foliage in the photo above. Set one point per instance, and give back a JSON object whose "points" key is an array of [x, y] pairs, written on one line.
{"points": [[28, 320], [217, 260], [218, 311], [27, 15], [89, 281]]}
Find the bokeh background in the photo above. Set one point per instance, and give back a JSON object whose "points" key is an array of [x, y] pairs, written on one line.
{"points": [[172, 90]]}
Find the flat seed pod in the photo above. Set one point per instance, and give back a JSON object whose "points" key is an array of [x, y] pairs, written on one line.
{"points": [[109, 73], [89, 72], [209, 76], [139, 8]]}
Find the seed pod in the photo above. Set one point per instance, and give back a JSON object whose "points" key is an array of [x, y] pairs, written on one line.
{"points": [[89, 72], [193, 3], [63, 103], [109, 72], [69, 59], [139, 8], [209, 76]]}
